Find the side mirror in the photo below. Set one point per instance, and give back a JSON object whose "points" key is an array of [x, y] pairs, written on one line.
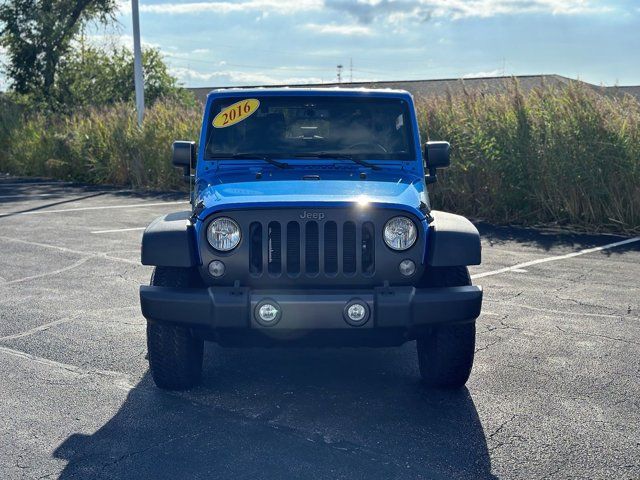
{"points": [[436, 155], [184, 155]]}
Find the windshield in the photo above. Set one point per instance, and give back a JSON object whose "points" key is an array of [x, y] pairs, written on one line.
{"points": [[310, 127]]}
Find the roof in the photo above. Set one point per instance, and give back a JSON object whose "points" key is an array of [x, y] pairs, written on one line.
{"points": [[440, 87], [310, 90], [629, 90]]}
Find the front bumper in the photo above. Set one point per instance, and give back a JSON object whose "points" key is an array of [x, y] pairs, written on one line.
{"points": [[227, 314]]}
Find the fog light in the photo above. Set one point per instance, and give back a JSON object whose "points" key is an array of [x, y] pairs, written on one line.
{"points": [[267, 312], [216, 268], [356, 313], [407, 268]]}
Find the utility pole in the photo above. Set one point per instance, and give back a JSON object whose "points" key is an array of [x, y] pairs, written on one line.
{"points": [[137, 61], [339, 73]]}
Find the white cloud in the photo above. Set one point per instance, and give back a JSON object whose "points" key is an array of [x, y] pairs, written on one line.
{"points": [[333, 29], [276, 6], [117, 41], [399, 11], [491, 73], [392, 11], [224, 78], [491, 8]]}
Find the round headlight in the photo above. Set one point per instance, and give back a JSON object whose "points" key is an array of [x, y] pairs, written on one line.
{"points": [[223, 234], [400, 233]]}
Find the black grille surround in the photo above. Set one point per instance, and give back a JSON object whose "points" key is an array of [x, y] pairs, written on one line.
{"points": [[312, 247]]}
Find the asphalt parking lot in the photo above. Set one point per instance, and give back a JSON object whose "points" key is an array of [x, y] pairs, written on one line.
{"points": [[555, 390]]}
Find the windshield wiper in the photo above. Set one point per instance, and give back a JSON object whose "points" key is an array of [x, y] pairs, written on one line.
{"points": [[338, 156], [251, 156]]}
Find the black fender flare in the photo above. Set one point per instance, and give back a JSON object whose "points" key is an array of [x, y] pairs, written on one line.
{"points": [[453, 241], [169, 241]]}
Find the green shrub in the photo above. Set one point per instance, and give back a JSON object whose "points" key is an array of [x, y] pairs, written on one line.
{"points": [[566, 156], [104, 145], [10, 119]]}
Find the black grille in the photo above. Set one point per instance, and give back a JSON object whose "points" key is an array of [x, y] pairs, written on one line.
{"points": [[312, 248]]}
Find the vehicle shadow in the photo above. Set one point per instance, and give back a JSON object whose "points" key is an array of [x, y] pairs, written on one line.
{"points": [[289, 413]]}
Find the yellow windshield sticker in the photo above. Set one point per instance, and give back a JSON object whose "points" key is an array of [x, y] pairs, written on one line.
{"points": [[236, 112]]}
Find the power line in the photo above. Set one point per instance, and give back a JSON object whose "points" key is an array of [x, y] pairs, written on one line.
{"points": [[381, 76], [241, 65], [270, 67]]}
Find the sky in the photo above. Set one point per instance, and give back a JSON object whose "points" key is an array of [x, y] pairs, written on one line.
{"points": [[252, 42]]}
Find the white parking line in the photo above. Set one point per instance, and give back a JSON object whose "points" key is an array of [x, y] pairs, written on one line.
{"points": [[521, 266], [47, 274], [120, 230], [32, 195], [103, 207], [26, 184], [121, 380], [555, 312], [70, 250], [31, 331]]}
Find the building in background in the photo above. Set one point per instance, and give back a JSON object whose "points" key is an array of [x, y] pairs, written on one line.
{"points": [[426, 88]]}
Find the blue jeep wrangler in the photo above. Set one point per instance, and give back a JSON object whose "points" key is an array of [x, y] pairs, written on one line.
{"points": [[310, 225]]}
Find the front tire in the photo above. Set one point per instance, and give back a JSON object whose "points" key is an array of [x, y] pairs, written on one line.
{"points": [[175, 353], [445, 354]]}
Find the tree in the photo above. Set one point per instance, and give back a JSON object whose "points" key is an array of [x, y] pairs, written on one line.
{"points": [[38, 33], [94, 76]]}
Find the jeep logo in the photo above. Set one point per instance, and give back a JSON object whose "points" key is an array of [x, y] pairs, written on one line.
{"points": [[312, 216]]}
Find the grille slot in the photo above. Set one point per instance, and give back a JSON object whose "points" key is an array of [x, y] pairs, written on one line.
{"points": [[349, 248], [274, 259], [255, 248], [312, 248], [331, 248], [293, 248], [368, 249]]}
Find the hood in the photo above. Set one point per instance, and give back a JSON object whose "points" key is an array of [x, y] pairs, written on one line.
{"points": [[295, 188]]}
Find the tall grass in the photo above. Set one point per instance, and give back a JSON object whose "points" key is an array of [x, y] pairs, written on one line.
{"points": [[11, 116], [567, 157], [103, 145]]}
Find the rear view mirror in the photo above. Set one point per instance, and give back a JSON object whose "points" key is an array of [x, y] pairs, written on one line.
{"points": [[436, 155], [184, 155]]}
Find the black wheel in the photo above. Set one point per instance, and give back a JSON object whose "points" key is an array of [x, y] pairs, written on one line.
{"points": [[175, 353], [445, 354]]}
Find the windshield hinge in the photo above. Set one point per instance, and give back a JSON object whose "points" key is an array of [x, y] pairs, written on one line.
{"points": [[424, 208], [197, 210]]}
